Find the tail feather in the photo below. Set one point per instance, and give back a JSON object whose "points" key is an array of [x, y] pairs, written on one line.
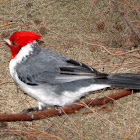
{"points": [[125, 80]]}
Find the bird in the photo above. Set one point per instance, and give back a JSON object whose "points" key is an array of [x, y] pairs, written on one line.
{"points": [[54, 79]]}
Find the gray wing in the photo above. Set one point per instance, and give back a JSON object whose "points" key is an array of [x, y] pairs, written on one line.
{"points": [[53, 68]]}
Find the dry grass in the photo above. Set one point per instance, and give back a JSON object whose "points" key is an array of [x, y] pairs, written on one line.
{"points": [[90, 31]]}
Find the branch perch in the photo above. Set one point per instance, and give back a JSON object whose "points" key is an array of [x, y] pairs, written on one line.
{"points": [[65, 110]]}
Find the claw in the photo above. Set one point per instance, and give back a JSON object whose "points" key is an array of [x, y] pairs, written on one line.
{"points": [[31, 115], [29, 110], [58, 109]]}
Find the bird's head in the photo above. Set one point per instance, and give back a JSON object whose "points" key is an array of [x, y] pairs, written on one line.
{"points": [[19, 40]]}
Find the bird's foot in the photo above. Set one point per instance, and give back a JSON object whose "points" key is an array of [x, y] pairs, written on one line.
{"points": [[30, 110]]}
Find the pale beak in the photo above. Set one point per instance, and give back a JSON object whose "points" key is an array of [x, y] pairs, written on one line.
{"points": [[7, 41]]}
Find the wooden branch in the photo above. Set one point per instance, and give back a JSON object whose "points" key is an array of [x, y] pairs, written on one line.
{"points": [[65, 110]]}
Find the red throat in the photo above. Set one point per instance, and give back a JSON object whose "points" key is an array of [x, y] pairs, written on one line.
{"points": [[14, 51], [21, 39]]}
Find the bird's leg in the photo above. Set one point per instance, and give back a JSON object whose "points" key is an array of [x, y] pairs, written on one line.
{"points": [[40, 107]]}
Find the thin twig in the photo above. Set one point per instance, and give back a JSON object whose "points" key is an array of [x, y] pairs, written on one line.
{"points": [[8, 23]]}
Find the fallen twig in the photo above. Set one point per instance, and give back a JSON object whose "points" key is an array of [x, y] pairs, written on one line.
{"points": [[65, 110], [8, 23]]}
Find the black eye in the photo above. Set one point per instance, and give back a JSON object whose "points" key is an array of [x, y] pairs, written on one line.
{"points": [[14, 43]]}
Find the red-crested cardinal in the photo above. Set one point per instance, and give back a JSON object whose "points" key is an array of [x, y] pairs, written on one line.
{"points": [[54, 79]]}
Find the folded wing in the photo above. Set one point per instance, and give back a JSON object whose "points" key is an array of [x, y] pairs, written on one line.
{"points": [[53, 70]]}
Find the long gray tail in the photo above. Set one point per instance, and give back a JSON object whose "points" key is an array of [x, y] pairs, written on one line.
{"points": [[125, 80]]}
